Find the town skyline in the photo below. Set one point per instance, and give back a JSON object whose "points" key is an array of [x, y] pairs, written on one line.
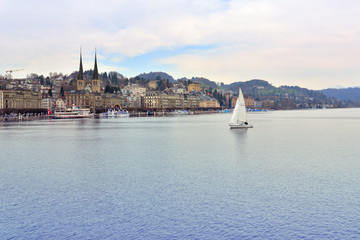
{"points": [[314, 46]]}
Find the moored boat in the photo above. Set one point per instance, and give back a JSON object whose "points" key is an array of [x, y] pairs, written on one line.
{"points": [[179, 112], [116, 113], [74, 112]]}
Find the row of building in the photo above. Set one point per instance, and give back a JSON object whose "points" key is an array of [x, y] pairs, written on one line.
{"points": [[91, 95], [24, 99]]}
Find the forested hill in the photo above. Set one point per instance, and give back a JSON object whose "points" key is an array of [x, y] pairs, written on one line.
{"points": [[155, 76]]}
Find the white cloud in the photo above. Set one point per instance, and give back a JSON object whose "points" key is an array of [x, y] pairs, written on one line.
{"points": [[311, 44]]}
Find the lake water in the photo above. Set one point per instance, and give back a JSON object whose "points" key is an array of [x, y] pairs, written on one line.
{"points": [[295, 175]]}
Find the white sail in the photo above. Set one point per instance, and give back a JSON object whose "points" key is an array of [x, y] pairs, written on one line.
{"points": [[239, 113]]}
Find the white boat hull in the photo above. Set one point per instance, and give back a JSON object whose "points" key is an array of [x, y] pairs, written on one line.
{"points": [[179, 112], [235, 126], [115, 114], [71, 116], [72, 113]]}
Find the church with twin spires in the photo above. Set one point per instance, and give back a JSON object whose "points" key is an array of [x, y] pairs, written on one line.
{"points": [[95, 82], [91, 95]]}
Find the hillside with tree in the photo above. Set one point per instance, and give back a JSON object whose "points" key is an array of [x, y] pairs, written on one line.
{"points": [[155, 76]]}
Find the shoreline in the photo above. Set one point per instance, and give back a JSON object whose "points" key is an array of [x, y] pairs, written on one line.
{"points": [[28, 117]]}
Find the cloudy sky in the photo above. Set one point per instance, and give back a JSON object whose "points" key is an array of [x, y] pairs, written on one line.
{"points": [[313, 44]]}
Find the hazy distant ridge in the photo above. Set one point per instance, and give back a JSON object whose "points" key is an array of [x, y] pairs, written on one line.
{"points": [[346, 94]]}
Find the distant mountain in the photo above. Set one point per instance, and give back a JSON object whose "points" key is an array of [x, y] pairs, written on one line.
{"points": [[156, 76], [249, 85], [346, 94]]}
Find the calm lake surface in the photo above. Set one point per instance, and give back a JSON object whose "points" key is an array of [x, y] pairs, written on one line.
{"points": [[295, 175]]}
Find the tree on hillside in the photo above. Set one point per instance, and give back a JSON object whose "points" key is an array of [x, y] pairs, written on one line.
{"points": [[169, 84], [218, 96], [41, 80], [62, 91], [108, 89], [114, 79], [72, 84], [161, 85]]}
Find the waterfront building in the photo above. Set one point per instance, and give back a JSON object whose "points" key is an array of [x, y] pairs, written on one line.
{"points": [[112, 100], [233, 102], [162, 100], [208, 102], [175, 101], [257, 104], [155, 99], [46, 103], [191, 101], [249, 102], [19, 99], [133, 101], [80, 98]]}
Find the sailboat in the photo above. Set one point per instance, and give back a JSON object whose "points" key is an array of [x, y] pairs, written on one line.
{"points": [[239, 118]]}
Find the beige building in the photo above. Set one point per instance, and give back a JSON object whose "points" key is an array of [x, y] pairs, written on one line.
{"points": [[135, 89], [191, 101], [152, 85], [233, 101], [208, 102], [84, 99], [60, 103], [46, 103], [155, 99], [19, 99], [132, 101], [113, 100], [162, 100], [194, 87], [249, 102]]}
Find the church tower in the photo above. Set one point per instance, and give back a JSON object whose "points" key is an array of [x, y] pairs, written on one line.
{"points": [[80, 83], [95, 82]]}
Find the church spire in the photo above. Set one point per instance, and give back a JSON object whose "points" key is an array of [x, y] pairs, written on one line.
{"points": [[96, 73], [81, 72]]}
